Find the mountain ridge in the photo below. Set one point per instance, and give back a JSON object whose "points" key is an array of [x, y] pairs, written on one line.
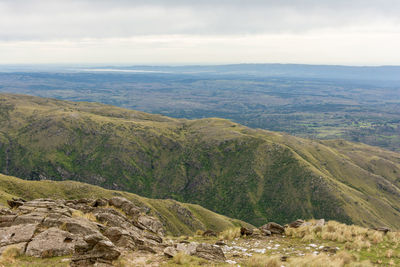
{"points": [[251, 174]]}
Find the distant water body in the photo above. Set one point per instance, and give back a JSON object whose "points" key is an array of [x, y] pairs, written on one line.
{"points": [[122, 70]]}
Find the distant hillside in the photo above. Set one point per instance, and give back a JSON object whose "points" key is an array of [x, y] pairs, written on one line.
{"points": [[178, 218], [254, 175]]}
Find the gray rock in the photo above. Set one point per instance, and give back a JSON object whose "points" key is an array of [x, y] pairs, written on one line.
{"points": [[50, 243], [210, 252], [20, 246], [187, 248], [320, 222], [202, 250], [106, 250], [274, 228], [170, 252], [151, 224], [265, 232], [7, 220], [16, 234], [121, 237], [118, 201], [31, 218], [46, 228]]}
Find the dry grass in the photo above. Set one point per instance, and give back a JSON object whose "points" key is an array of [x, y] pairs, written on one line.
{"points": [[230, 234], [389, 253], [354, 237], [186, 260], [9, 254], [79, 214], [263, 261], [341, 259], [199, 232]]}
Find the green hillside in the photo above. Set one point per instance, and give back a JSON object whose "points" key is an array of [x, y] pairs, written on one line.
{"points": [[178, 218], [250, 174]]}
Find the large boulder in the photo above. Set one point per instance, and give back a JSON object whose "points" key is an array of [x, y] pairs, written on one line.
{"points": [[121, 238], [150, 223], [210, 252], [202, 250], [170, 252], [50, 243], [16, 234], [94, 249], [274, 228], [118, 202]]}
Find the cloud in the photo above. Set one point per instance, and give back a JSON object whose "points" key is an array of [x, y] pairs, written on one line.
{"points": [[201, 31], [68, 19], [327, 48]]}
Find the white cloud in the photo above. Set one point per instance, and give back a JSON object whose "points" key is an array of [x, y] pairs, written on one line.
{"points": [[202, 31]]}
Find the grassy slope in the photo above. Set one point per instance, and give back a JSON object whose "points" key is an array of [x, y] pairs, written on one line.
{"points": [[165, 209], [254, 175]]}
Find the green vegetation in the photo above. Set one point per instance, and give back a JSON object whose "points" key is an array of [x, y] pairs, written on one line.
{"points": [[250, 174]]}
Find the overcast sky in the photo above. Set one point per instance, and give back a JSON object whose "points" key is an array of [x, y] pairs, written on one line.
{"points": [[352, 32]]}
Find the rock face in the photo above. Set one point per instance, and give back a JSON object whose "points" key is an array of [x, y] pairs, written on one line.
{"points": [[52, 242], [202, 250], [273, 228], [91, 231]]}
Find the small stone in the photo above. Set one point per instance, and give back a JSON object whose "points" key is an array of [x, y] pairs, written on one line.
{"points": [[170, 252]]}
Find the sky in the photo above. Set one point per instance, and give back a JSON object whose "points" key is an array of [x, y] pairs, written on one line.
{"points": [[176, 32]]}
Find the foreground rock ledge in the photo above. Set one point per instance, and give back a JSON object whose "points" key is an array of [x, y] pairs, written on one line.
{"points": [[91, 231]]}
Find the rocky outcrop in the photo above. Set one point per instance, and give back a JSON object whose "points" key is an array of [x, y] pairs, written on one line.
{"points": [[95, 249], [91, 231], [273, 228], [201, 250]]}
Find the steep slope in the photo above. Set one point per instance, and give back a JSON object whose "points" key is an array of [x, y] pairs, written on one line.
{"points": [[251, 174], [178, 218]]}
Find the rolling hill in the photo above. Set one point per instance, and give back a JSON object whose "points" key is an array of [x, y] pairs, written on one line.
{"points": [[250, 174]]}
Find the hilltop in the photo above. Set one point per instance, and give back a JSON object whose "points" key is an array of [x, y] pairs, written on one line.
{"points": [[250, 174]]}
